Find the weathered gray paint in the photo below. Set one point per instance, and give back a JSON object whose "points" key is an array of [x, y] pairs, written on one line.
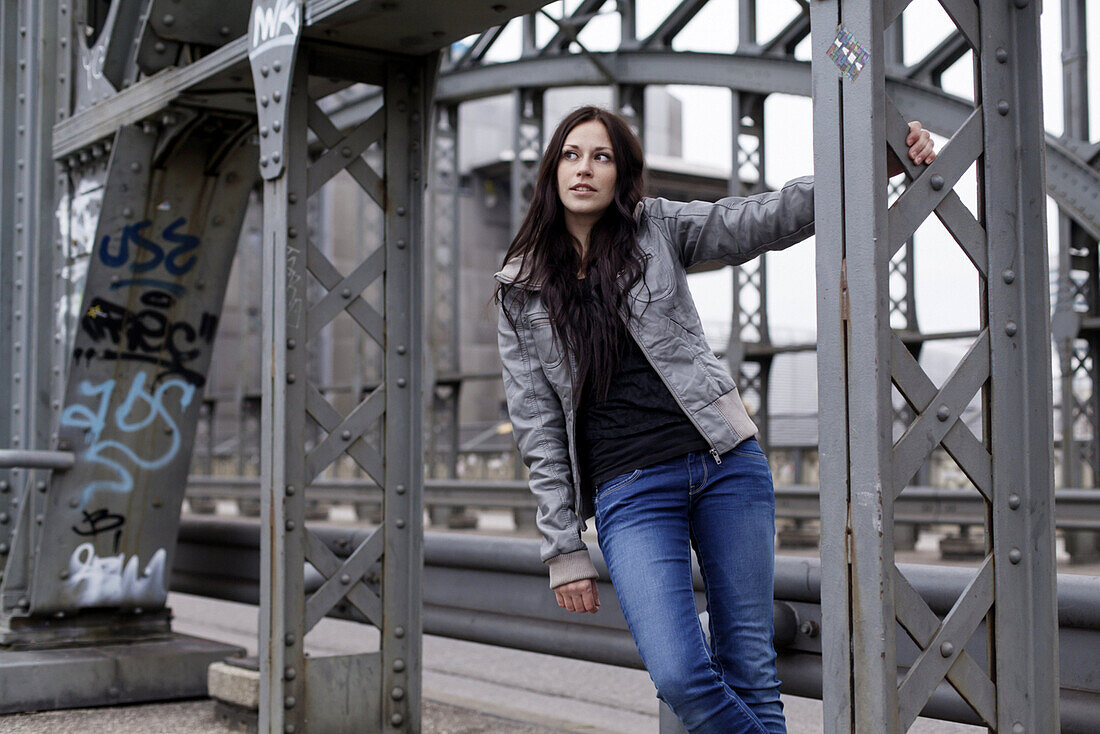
{"points": [[1008, 362]]}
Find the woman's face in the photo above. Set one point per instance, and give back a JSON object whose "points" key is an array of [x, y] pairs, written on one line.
{"points": [[586, 171]]}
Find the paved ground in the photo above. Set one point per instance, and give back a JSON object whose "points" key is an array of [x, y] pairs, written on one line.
{"points": [[468, 688]]}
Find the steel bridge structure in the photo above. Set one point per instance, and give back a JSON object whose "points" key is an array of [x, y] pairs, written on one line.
{"points": [[133, 134]]}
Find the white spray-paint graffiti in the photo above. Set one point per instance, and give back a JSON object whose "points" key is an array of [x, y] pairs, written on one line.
{"points": [[114, 580], [128, 421]]}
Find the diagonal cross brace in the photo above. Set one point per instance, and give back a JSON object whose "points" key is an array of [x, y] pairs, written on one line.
{"points": [[353, 427], [343, 580], [339, 296], [950, 210], [328, 276], [944, 649], [938, 178], [930, 428], [343, 153], [365, 455], [967, 677], [329, 135]]}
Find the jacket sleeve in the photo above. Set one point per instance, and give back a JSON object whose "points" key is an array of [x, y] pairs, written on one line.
{"points": [[538, 424], [737, 229]]}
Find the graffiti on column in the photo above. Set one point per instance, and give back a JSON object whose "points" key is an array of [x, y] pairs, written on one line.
{"points": [[98, 580], [101, 521], [140, 411], [146, 335]]}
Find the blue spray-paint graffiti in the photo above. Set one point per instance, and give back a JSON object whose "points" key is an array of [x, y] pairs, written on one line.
{"points": [[131, 234], [127, 419]]}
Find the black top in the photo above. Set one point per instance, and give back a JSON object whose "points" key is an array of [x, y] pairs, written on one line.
{"points": [[638, 425]]}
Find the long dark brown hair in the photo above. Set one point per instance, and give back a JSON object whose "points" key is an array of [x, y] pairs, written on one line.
{"points": [[591, 329]]}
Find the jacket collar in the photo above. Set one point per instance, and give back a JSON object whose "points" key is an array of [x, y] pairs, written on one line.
{"points": [[510, 273]]}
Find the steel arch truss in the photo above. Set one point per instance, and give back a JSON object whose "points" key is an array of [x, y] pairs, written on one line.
{"points": [[758, 67], [1014, 687]]}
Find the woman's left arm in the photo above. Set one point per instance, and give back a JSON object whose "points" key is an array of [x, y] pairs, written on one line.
{"points": [[737, 229]]}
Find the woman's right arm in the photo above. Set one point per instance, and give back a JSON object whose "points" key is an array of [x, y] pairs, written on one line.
{"points": [[538, 423]]}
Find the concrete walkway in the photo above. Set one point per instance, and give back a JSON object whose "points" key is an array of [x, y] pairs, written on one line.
{"points": [[468, 688]]}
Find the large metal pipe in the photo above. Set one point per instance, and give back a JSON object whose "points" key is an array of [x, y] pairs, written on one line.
{"points": [[493, 590], [27, 459]]}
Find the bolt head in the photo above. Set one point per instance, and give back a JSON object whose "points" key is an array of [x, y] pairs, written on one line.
{"points": [[1015, 556], [1013, 501], [936, 182], [397, 719], [947, 649]]}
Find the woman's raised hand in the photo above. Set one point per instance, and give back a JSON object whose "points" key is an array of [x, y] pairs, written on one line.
{"points": [[921, 149], [579, 596]]}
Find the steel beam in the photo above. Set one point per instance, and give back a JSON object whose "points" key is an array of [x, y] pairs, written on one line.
{"points": [[30, 268], [1019, 419], [1010, 466]]}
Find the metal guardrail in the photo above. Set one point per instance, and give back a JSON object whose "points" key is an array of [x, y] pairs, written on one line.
{"points": [[27, 459], [1075, 509], [494, 591]]}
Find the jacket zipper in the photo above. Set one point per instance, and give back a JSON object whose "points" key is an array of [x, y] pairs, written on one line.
{"points": [[690, 417], [571, 438]]}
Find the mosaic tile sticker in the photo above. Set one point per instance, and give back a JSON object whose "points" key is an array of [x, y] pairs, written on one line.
{"points": [[848, 54]]}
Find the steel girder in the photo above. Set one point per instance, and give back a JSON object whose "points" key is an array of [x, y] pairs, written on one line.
{"points": [[1070, 178], [869, 604]]}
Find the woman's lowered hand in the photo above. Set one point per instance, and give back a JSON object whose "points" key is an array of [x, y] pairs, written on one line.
{"points": [[579, 596]]}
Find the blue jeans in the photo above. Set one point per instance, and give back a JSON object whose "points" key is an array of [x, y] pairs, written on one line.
{"points": [[647, 521]]}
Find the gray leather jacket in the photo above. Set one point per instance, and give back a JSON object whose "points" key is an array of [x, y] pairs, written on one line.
{"points": [[538, 376]]}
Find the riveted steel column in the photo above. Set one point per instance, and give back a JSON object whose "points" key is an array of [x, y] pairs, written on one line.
{"points": [[284, 163], [1025, 616], [28, 268], [9, 53], [408, 89], [858, 646]]}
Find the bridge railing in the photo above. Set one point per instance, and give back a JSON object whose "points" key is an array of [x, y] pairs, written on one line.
{"points": [[1075, 509], [494, 591]]}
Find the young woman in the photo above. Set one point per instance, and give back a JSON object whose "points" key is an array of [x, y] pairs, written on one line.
{"points": [[621, 411]]}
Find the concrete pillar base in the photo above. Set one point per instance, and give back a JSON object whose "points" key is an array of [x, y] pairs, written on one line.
{"points": [[108, 675]]}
